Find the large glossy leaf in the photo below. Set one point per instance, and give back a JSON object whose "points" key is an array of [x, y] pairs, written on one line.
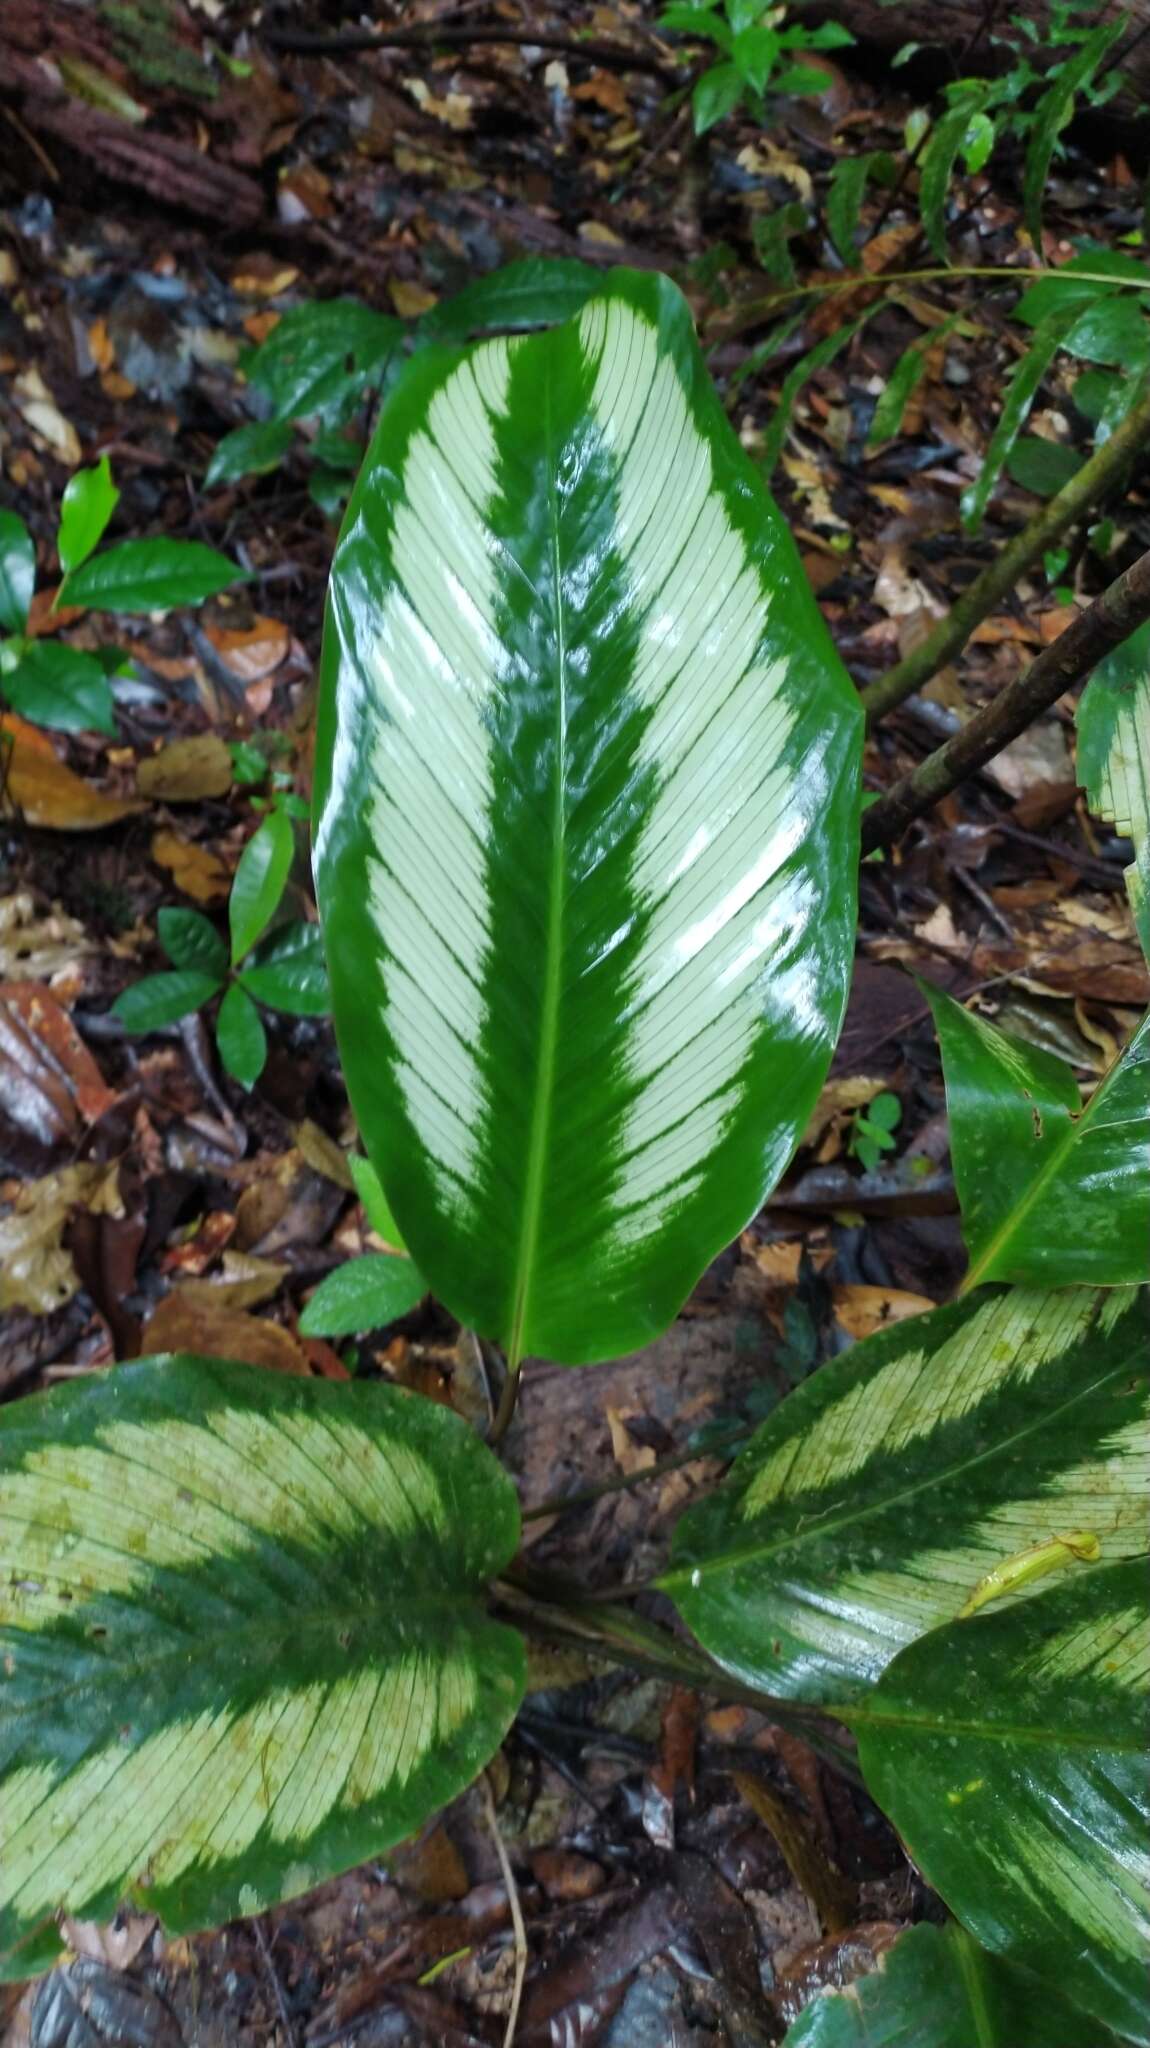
{"points": [[878, 1500], [61, 687], [936, 1988], [1054, 1193], [586, 824], [1010, 1753], [320, 358], [241, 1637], [1114, 758]]}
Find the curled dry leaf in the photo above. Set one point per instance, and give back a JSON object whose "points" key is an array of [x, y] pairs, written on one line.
{"points": [[36, 1272], [31, 947], [41, 788], [861, 1310], [187, 1321], [50, 1086], [196, 870], [186, 770], [250, 653]]}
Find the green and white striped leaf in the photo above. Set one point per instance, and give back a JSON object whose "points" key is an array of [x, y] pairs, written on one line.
{"points": [[936, 1988], [1010, 1753], [878, 1500], [1113, 722], [586, 825], [242, 1645], [1054, 1192]]}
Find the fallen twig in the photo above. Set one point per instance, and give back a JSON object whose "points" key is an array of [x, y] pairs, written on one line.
{"points": [[460, 36]]}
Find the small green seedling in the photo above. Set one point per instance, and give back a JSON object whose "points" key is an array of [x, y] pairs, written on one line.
{"points": [[871, 1130], [755, 55]]}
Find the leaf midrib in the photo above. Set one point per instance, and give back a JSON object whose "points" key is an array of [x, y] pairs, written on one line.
{"points": [[861, 1716]]}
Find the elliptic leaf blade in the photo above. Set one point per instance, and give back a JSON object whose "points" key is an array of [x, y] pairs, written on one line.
{"points": [[938, 161], [242, 1637], [1009, 1752], [60, 687], [363, 1294], [1053, 1193], [191, 940], [250, 450], [288, 971], [161, 999], [241, 1038], [586, 815], [882, 1496], [90, 498], [260, 880], [150, 576]]}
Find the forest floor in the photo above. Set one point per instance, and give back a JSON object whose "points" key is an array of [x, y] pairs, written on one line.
{"points": [[659, 1907]]}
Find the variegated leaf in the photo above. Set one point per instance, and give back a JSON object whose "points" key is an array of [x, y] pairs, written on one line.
{"points": [[1113, 722], [1055, 1192], [1010, 1753], [937, 1465], [241, 1638], [586, 824]]}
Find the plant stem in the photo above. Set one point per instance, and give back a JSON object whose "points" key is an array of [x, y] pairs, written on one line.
{"points": [[622, 1482], [506, 1408], [952, 632], [1123, 606]]}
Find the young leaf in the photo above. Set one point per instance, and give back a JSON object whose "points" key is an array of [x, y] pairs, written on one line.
{"points": [[369, 1188], [875, 1501], [318, 359], [845, 194], [17, 572], [1053, 1193], [163, 999], [191, 940], [1009, 1752], [260, 880], [1113, 722], [816, 358], [60, 687], [582, 1040], [363, 1294], [90, 498], [249, 451], [1054, 111], [260, 1599], [716, 94], [936, 1988], [289, 973], [1021, 392], [149, 576], [753, 54], [937, 165], [240, 1036]]}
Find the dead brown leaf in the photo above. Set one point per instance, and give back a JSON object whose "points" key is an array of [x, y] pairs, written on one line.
{"points": [[251, 652], [39, 786], [196, 870], [36, 1272], [861, 1310], [50, 1086], [216, 1331], [185, 771]]}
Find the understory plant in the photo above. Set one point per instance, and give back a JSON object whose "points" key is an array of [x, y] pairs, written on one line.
{"points": [[586, 837]]}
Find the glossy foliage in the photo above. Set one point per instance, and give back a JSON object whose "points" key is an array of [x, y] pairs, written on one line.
{"points": [[90, 498], [880, 1497], [363, 1294], [149, 576], [1009, 1751], [1054, 1192], [935, 1988], [536, 292], [241, 1635], [17, 572], [1114, 758], [586, 825]]}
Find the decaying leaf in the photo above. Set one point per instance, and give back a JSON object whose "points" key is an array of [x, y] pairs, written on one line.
{"points": [[196, 869], [186, 770], [218, 1331], [35, 1270], [40, 787]]}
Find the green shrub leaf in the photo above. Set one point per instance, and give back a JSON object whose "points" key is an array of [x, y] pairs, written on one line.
{"points": [[260, 880], [249, 451], [1021, 392], [363, 1294], [1009, 1752], [1054, 111], [17, 572], [937, 166], [319, 359], [936, 1988], [288, 972], [242, 1636], [90, 498], [61, 687], [872, 1504], [586, 816], [902, 384], [1053, 1193], [816, 358], [717, 93], [1113, 723], [536, 292], [1044, 467], [191, 940], [241, 1037], [150, 576], [162, 999], [369, 1188]]}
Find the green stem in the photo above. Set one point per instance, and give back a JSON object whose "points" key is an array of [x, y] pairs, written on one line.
{"points": [[952, 632]]}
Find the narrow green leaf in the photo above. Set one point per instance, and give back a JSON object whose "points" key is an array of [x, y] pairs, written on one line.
{"points": [[1053, 1193], [536, 292], [288, 972], [1021, 392], [260, 880], [369, 1188], [150, 576], [903, 382], [1009, 1752], [845, 195], [873, 1504], [17, 572], [240, 1037], [191, 940], [60, 687], [816, 358], [319, 359], [163, 999], [586, 815], [937, 166], [936, 1988], [363, 1294], [242, 1636], [90, 498], [249, 451], [1054, 111], [1113, 722]]}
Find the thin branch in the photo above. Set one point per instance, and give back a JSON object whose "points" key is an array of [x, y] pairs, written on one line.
{"points": [[519, 1931], [1122, 607], [1028, 547], [433, 36], [507, 1401]]}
